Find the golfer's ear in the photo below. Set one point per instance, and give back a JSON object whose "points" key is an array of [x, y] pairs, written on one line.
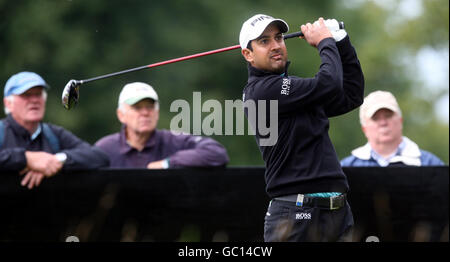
{"points": [[247, 54]]}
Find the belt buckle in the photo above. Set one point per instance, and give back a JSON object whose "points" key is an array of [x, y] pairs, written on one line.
{"points": [[332, 205], [299, 201]]}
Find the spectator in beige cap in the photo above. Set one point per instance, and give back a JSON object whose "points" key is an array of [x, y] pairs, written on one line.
{"points": [[382, 124]]}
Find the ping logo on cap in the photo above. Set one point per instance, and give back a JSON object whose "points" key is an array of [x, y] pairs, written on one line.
{"points": [[255, 26], [260, 18]]}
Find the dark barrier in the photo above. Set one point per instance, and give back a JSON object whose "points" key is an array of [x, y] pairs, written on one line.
{"points": [[391, 204]]}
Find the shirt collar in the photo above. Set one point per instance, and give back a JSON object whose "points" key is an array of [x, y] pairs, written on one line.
{"points": [[36, 133], [125, 147], [385, 161], [407, 152]]}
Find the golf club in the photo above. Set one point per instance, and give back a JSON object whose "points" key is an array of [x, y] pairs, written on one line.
{"points": [[71, 92]]}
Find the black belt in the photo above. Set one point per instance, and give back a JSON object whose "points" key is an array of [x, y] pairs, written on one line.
{"points": [[300, 200]]}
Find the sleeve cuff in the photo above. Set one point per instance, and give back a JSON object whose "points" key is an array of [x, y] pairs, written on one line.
{"points": [[165, 163], [62, 157]]}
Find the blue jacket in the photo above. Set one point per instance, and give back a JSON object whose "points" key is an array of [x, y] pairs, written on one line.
{"points": [[410, 155], [17, 140]]}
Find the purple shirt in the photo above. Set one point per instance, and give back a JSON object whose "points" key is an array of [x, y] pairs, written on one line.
{"points": [[181, 150]]}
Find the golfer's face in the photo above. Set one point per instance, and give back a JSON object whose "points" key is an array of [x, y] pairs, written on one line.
{"points": [[269, 51]]}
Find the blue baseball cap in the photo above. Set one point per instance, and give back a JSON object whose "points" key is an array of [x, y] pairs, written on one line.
{"points": [[21, 82]]}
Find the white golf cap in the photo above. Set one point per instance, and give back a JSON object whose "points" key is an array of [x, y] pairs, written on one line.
{"points": [[255, 26], [135, 92], [376, 101]]}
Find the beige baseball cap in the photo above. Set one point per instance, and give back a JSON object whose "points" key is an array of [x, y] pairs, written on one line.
{"points": [[376, 101], [135, 92], [255, 26]]}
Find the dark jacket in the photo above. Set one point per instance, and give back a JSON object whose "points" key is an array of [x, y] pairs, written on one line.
{"points": [[17, 140], [303, 160], [181, 150]]}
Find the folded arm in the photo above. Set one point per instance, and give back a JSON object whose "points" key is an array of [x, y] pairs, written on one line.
{"points": [[196, 151]]}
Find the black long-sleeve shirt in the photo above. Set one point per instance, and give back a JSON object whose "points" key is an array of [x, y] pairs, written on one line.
{"points": [[80, 155], [303, 159]]}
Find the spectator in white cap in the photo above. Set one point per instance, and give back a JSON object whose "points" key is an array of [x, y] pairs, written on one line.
{"points": [[139, 144], [382, 124], [33, 148]]}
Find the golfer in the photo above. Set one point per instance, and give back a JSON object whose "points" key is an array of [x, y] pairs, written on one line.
{"points": [[303, 175]]}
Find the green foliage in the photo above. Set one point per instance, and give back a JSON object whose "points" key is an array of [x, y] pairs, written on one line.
{"points": [[79, 39]]}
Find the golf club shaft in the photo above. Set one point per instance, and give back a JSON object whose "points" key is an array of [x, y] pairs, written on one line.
{"points": [[292, 35], [296, 34]]}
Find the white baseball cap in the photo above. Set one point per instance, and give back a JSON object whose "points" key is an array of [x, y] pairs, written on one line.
{"points": [[376, 101], [135, 92], [255, 26]]}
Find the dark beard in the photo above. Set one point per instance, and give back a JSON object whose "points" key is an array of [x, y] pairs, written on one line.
{"points": [[280, 70]]}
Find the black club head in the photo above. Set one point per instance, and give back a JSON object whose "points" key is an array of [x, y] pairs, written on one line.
{"points": [[70, 94]]}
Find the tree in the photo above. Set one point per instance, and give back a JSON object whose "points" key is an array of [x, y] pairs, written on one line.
{"points": [[63, 40]]}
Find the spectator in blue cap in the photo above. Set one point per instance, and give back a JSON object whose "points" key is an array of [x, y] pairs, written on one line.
{"points": [[33, 148]]}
